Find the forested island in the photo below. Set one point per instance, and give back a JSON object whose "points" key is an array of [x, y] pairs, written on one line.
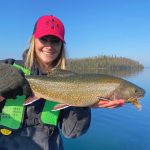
{"points": [[104, 64]]}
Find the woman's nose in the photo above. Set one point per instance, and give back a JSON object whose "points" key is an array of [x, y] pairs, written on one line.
{"points": [[48, 44]]}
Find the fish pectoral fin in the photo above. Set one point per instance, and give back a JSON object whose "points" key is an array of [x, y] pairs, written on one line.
{"points": [[103, 98], [60, 107], [137, 104], [30, 100]]}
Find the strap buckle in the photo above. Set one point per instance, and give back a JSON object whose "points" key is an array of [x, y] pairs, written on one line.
{"points": [[5, 131]]}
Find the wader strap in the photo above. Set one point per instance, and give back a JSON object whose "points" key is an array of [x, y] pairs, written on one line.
{"points": [[12, 113], [26, 71], [48, 116]]}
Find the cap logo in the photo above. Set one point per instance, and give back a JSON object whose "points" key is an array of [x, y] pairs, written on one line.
{"points": [[50, 23]]}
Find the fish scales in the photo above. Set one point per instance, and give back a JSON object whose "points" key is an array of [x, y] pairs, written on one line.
{"points": [[73, 90]]}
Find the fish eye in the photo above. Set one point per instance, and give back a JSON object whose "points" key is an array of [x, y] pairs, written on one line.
{"points": [[136, 90]]}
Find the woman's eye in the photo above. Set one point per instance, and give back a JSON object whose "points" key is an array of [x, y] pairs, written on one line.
{"points": [[54, 41], [44, 39]]}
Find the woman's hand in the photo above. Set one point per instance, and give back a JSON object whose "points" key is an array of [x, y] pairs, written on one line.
{"points": [[108, 104]]}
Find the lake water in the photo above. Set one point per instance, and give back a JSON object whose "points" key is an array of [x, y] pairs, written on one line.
{"points": [[123, 128]]}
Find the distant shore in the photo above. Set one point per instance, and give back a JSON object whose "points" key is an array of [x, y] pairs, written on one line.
{"points": [[104, 63]]}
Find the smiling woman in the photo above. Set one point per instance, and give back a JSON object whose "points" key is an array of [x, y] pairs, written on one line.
{"points": [[47, 50], [39, 128], [47, 44]]}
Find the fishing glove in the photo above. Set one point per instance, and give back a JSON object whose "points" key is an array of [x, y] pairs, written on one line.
{"points": [[13, 81]]}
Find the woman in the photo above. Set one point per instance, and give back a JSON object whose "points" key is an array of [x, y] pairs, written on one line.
{"points": [[45, 52]]}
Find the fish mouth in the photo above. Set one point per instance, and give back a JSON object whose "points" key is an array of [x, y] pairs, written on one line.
{"points": [[135, 101]]}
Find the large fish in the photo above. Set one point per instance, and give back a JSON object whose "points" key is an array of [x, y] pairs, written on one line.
{"points": [[82, 90]]}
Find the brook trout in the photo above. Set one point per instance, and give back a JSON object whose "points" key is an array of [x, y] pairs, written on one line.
{"points": [[82, 90]]}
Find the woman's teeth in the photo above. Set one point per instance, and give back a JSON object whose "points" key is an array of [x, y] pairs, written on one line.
{"points": [[50, 52]]}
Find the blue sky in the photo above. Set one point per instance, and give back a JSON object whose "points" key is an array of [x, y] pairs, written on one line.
{"points": [[93, 27]]}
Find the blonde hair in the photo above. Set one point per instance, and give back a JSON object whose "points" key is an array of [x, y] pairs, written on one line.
{"points": [[30, 58]]}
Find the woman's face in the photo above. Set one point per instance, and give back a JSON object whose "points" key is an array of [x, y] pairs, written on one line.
{"points": [[47, 49]]}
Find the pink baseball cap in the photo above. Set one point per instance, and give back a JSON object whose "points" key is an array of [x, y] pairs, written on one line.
{"points": [[49, 25]]}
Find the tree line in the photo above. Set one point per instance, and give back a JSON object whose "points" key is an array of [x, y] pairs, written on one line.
{"points": [[103, 63]]}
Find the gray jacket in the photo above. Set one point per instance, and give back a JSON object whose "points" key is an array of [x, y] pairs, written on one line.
{"points": [[72, 122]]}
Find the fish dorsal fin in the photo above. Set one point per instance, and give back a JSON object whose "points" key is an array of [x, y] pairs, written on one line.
{"points": [[60, 73]]}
